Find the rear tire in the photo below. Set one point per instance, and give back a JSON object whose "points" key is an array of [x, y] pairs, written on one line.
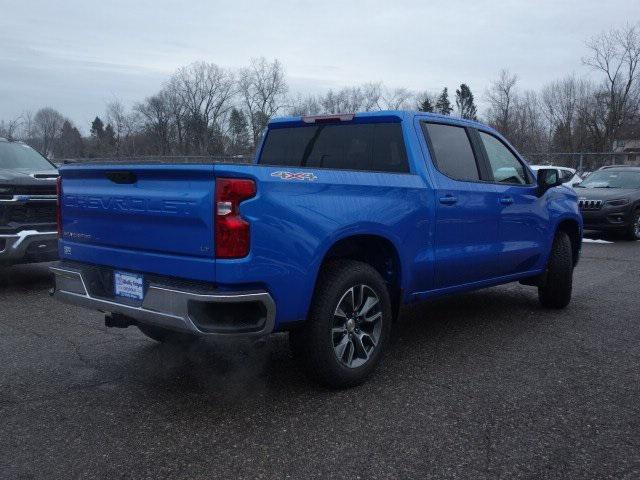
{"points": [[165, 335], [348, 326], [555, 292], [633, 232]]}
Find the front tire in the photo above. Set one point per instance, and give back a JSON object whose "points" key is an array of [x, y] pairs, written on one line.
{"points": [[348, 325], [633, 232], [555, 292]]}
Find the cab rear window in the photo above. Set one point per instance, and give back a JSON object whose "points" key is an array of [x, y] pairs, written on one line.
{"points": [[370, 146]]}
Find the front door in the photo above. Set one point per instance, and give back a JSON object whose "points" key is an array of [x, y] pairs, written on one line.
{"points": [[523, 216]]}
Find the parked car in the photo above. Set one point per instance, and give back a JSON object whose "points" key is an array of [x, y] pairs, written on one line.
{"points": [[340, 221], [610, 200], [27, 205], [569, 176]]}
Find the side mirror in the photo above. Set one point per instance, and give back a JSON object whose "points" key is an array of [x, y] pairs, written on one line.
{"points": [[547, 178]]}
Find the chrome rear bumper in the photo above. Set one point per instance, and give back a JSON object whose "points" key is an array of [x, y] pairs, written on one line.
{"points": [[164, 306], [16, 244]]}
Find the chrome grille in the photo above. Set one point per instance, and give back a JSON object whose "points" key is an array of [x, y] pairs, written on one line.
{"points": [[35, 190], [585, 204], [28, 213]]}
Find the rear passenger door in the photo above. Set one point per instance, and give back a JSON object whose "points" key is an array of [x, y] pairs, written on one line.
{"points": [[467, 216], [522, 214]]}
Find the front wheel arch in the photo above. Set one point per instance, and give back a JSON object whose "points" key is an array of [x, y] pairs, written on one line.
{"points": [[572, 229]]}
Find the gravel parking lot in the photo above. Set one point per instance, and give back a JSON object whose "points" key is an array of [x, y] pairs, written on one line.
{"points": [[484, 385]]}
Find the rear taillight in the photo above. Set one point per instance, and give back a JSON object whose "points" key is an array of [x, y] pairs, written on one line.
{"points": [[59, 206], [232, 231]]}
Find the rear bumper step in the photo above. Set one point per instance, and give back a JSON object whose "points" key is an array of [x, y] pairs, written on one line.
{"points": [[17, 246], [222, 314]]}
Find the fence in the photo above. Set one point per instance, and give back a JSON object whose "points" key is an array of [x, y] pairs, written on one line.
{"points": [[583, 161]]}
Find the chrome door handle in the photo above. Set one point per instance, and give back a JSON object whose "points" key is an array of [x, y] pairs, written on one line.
{"points": [[506, 200]]}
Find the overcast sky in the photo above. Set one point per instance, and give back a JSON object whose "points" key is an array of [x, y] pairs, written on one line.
{"points": [[76, 56]]}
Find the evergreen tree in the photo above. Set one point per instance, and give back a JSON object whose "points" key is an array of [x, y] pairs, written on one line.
{"points": [[109, 138], [260, 121], [238, 132], [425, 105], [97, 146], [78, 142], [464, 102], [70, 144], [97, 128], [443, 105]]}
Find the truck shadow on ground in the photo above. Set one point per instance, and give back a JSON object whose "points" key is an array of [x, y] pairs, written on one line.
{"points": [[25, 277], [438, 332]]}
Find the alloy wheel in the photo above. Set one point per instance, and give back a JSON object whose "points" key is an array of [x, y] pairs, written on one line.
{"points": [[357, 325]]}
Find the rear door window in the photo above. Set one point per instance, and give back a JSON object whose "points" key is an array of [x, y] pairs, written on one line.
{"points": [[451, 150], [367, 146]]}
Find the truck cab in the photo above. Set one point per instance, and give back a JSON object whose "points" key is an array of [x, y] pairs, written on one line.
{"points": [[339, 221]]}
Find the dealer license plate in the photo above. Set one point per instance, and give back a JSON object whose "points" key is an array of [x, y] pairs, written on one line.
{"points": [[129, 285]]}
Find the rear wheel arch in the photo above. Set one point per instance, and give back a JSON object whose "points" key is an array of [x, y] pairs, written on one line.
{"points": [[375, 250]]}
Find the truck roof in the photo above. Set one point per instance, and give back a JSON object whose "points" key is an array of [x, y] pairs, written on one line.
{"points": [[380, 114]]}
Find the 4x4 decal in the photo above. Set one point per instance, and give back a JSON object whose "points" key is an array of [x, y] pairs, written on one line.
{"points": [[295, 176]]}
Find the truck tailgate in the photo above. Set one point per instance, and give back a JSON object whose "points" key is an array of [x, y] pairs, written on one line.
{"points": [[165, 209]]}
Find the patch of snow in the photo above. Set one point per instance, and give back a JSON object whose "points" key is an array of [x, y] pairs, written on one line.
{"points": [[594, 240]]}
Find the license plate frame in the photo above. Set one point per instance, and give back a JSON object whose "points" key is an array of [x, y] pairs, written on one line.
{"points": [[128, 285]]}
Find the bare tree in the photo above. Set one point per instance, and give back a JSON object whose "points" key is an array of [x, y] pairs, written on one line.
{"points": [[206, 91], [501, 97], [360, 98], [48, 125], [117, 117], [263, 88], [9, 129], [304, 105], [616, 55], [157, 116], [372, 96], [517, 116], [178, 112], [563, 103], [529, 132], [398, 99], [28, 127], [348, 99]]}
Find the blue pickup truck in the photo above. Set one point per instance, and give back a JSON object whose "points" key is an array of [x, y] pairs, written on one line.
{"points": [[339, 222]]}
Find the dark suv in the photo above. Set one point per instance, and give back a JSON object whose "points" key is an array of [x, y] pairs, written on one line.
{"points": [[609, 199], [28, 231]]}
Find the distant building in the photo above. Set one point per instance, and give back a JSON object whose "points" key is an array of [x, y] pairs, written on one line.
{"points": [[630, 148]]}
